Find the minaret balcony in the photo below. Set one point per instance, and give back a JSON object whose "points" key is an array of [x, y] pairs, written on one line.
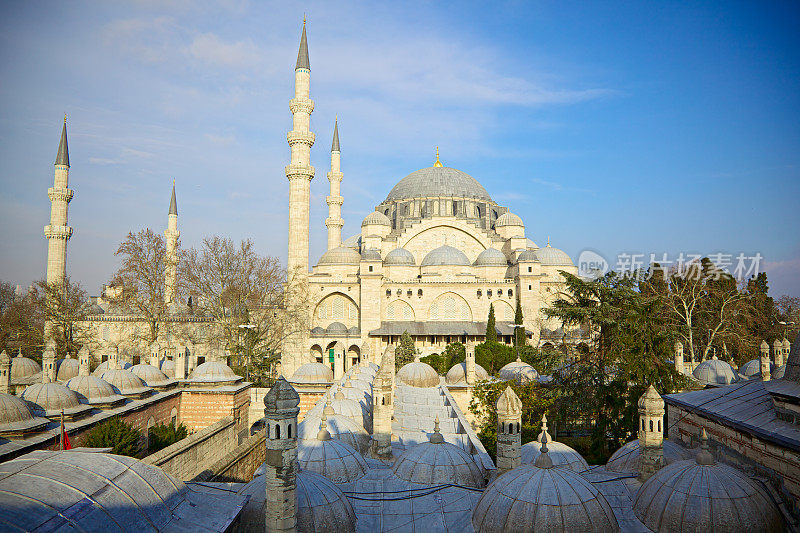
{"points": [[303, 105], [300, 137], [299, 171], [59, 194], [335, 176], [334, 222], [58, 232], [334, 200]]}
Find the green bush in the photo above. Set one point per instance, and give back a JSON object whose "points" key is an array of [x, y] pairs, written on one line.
{"points": [[453, 354], [115, 434], [163, 435]]}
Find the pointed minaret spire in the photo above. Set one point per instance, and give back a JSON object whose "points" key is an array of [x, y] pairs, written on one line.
{"points": [[334, 222], [172, 234], [173, 204], [302, 53], [62, 158]]}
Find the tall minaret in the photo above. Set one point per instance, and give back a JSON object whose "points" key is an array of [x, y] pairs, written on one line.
{"points": [[334, 221], [299, 171], [57, 232], [172, 234]]}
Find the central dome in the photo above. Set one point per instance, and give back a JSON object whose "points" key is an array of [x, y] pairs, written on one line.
{"points": [[436, 182]]}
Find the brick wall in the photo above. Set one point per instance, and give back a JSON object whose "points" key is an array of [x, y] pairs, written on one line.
{"points": [[200, 409], [238, 465]]}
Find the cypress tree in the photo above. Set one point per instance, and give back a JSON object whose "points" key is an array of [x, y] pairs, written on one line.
{"points": [[491, 329], [519, 333]]}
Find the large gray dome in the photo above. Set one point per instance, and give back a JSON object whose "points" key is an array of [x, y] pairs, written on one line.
{"points": [[714, 372], [519, 371], [437, 462], [343, 255], [92, 390], [445, 255], [491, 257], [313, 373], [457, 375], [16, 417], [626, 459], [553, 256], [49, 399], [418, 374], [435, 182], [400, 256], [340, 427], [332, 458]]}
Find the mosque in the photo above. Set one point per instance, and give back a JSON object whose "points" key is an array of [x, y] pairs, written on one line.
{"points": [[366, 446]]}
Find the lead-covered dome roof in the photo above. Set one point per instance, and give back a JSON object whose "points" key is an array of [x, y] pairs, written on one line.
{"points": [[445, 255], [553, 256], [313, 373], [436, 182], [561, 455], [23, 367], [626, 459], [342, 255], [124, 382], [399, 256], [457, 375], [339, 427], [151, 376], [93, 391], [714, 372], [16, 416], [376, 218], [67, 368], [491, 257], [332, 458], [48, 399], [214, 372], [418, 374], [519, 371], [508, 219], [436, 462]]}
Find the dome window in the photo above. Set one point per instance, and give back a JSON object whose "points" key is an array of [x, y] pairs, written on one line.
{"points": [[399, 292], [488, 293], [419, 293], [388, 293], [499, 292], [510, 293], [480, 293]]}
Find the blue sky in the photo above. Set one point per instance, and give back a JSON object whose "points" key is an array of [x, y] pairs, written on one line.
{"points": [[649, 127]]}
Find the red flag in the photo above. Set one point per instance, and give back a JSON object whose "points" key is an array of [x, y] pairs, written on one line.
{"points": [[65, 445]]}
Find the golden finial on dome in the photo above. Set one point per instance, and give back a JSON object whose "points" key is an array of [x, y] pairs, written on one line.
{"points": [[304, 19], [437, 163], [65, 118]]}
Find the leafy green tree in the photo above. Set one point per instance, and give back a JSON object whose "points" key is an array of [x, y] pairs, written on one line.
{"points": [[454, 353], [122, 438], [163, 435], [519, 333], [405, 351], [491, 328]]}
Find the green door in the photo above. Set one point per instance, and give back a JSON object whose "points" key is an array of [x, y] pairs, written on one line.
{"points": [[330, 357]]}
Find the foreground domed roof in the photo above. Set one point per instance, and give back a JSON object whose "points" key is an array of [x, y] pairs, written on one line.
{"points": [[125, 382], [626, 459], [458, 374], [491, 257], [436, 462], [93, 391], [399, 256], [105, 365], [376, 218], [519, 371], [321, 505], [445, 255], [334, 459], [418, 374], [553, 256], [313, 373], [214, 372], [67, 368], [703, 495], [539, 497], [22, 367], [16, 416], [714, 372], [151, 376], [340, 427], [352, 409], [508, 219], [48, 399], [437, 182], [560, 454], [343, 255]]}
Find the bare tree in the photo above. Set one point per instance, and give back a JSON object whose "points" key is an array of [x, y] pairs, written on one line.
{"points": [[63, 306]]}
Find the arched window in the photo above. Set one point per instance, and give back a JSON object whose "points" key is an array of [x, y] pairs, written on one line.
{"points": [[289, 431], [651, 425], [659, 425], [277, 431]]}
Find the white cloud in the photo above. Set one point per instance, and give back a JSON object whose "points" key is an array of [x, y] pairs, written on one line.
{"points": [[209, 49]]}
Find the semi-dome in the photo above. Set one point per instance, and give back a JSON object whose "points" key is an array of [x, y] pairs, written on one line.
{"points": [[376, 218], [321, 505], [313, 373], [519, 371], [491, 257], [332, 458], [681, 497], [67, 368], [458, 374], [340, 427], [49, 399], [343, 255], [371, 254], [528, 255], [400, 256], [106, 365], [626, 459], [418, 374], [335, 328], [553, 256], [445, 255], [508, 219], [23, 367], [125, 382], [714, 372], [214, 372], [16, 417], [438, 182], [353, 242], [89, 491], [151, 376], [436, 462], [94, 391], [539, 497]]}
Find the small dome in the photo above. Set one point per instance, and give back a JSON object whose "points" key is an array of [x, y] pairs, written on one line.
{"points": [[376, 218], [752, 369], [491, 257], [92, 390], [125, 382], [418, 374], [214, 372], [779, 372], [16, 417], [332, 458], [355, 330], [560, 454], [340, 427], [400, 256], [680, 497], [316, 330], [151, 376], [445, 255], [353, 242], [48, 399], [104, 367], [458, 374], [553, 256], [343, 255], [352, 409], [508, 219], [336, 328], [313, 373], [360, 384], [519, 371], [714, 372], [167, 366], [321, 506], [22, 367], [67, 368], [438, 182], [437, 462], [626, 459], [371, 254], [528, 255], [529, 498]]}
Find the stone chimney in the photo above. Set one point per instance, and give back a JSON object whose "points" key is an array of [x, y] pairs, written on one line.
{"points": [[470, 364], [280, 423], [651, 433], [765, 370], [49, 362], [509, 426], [180, 362], [338, 360], [5, 373], [383, 406], [679, 357], [83, 361]]}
